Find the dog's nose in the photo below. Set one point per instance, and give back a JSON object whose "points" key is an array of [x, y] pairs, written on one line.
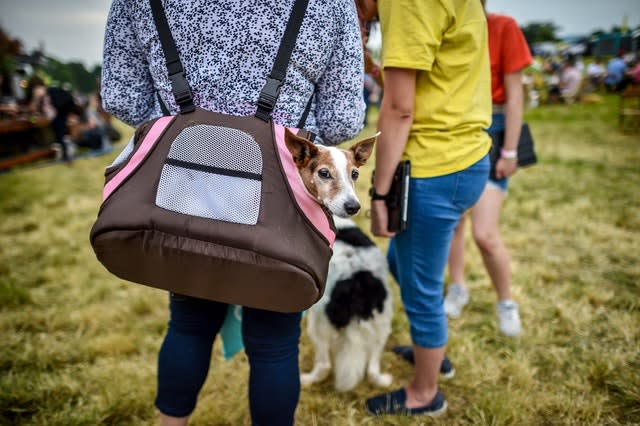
{"points": [[351, 207]]}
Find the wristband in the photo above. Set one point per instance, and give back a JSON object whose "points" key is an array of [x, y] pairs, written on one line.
{"points": [[375, 196], [509, 154]]}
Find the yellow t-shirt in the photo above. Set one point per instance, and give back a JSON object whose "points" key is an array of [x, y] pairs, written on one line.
{"points": [[446, 42]]}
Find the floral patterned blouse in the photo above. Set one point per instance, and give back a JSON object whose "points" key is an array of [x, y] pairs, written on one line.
{"points": [[227, 49]]}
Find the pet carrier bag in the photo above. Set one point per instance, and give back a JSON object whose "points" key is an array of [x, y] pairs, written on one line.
{"points": [[211, 205]]}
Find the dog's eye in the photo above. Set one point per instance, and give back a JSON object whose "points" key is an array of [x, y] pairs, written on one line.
{"points": [[355, 174], [324, 173]]}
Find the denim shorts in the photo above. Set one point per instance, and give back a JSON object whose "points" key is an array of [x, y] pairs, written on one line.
{"points": [[500, 184], [418, 256]]}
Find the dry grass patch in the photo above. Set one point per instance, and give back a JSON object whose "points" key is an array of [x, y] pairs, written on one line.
{"points": [[79, 346]]}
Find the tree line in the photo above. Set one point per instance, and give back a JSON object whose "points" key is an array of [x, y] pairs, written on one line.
{"points": [[13, 55], [536, 32], [14, 59]]}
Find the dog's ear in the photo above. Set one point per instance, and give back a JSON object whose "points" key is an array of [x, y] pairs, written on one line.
{"points": [[363, 149], [300, 148]]}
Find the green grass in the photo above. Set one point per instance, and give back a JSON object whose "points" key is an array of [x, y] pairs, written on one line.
{"points": [[79, 346]]}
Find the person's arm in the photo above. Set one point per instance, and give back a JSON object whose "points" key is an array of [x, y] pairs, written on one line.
{"points": [[339, 103], [372, 68], [127, 86], [394, 124], [513, 110]]}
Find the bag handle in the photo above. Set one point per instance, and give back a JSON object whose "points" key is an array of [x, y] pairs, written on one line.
{"points": [[271, 89]]}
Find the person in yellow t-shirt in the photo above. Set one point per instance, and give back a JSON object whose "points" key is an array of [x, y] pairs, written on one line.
{"points": [[435, 109]]}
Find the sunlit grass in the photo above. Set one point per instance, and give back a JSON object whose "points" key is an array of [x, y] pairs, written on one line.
{"points": [[79, 346]]}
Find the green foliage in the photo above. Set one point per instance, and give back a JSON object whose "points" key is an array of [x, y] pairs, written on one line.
{"points": [[536, 32], [74, 73], [52, 70], [9, 48]]}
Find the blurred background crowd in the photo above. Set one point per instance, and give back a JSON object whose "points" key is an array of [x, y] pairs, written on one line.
{"points": [[52, 110], [48, 109]]}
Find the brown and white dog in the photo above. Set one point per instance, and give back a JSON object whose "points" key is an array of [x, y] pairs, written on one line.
{"points": [[350, 325], [329, 173]]}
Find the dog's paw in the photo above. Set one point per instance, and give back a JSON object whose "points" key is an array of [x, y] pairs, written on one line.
{"points": [[307, 379], [382, 380]]}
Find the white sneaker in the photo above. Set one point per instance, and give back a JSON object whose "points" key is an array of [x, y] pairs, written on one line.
{"points": [[508, 318], [457, 296]]}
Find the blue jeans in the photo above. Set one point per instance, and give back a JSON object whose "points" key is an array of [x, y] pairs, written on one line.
{"points": [[271, 344], [418, 256]]}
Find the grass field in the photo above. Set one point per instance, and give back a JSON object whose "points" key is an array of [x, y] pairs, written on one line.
{"points": [[78, 346]]}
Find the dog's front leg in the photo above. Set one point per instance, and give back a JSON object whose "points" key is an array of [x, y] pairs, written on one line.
{"points": [[322, 362], [374, 375]]}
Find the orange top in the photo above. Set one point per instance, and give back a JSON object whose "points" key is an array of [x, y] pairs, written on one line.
{"points": [[508, 51]]}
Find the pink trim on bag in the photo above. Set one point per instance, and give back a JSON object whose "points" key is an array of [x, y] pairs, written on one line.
{"points": [[146, 146], [307, 203]]}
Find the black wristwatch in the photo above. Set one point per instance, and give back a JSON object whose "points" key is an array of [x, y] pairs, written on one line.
{"points": [[375, 196]]}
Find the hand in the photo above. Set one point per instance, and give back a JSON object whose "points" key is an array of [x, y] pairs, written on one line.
{"points": [[506, 167], [379, 219], [371, 68]]}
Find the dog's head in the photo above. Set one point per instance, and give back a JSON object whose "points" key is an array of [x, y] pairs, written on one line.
{"points": [[329, 173]]}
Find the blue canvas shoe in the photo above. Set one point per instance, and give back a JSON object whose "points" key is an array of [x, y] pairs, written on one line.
{"points": [[394, 403]]}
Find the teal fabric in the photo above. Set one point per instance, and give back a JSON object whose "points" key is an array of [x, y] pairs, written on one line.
{"points": [[231, 332]]}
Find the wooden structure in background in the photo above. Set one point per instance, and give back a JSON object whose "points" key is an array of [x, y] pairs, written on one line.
{"points": [[24, 140]]}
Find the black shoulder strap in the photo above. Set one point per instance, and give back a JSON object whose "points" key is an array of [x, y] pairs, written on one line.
{"points": [[179, 84], [271, 89], [163, 107], [305, 113]]}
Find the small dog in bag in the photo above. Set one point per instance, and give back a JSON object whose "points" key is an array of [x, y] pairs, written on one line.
{"points": [[329, 173], [350, 325]]}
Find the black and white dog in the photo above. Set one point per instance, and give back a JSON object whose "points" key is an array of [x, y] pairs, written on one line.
{"points": [[350, 325]]}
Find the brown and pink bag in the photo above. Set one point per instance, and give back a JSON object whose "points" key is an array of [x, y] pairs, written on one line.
{"points": [[211, 205]]}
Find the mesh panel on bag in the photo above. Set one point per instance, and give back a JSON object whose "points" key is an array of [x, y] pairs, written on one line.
{"points": [[206, 182], [203, 194], [218, 146]]}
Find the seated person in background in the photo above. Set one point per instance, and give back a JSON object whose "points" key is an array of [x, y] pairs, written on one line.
{"points": [[552, 81], [92, 128], [616, 69], [38, 99], [570, 81], [65, 105], [634, 73], [551, 72], [595, 74], [8, 104], [113, 133]]}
